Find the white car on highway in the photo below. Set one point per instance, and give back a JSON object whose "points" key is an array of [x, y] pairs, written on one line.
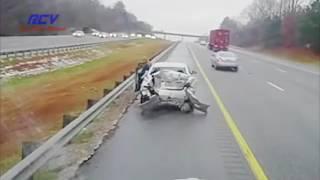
{"points": [[168, 83], [95, 33], [224, 59], [78, 34], [113, 35], [103, 35], [203, 43], [148, 36], [124, 35]]}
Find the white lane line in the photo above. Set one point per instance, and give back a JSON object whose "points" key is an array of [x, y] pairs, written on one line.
{"points": [[281, 70], [275, 86]]}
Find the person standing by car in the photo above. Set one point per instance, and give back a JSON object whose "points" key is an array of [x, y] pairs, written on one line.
{"points": [[140, 72]]}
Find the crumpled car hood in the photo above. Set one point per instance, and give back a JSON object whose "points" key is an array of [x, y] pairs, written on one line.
{"points": [[171, 88], [168, 79]]}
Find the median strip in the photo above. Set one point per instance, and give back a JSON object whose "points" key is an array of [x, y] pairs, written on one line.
{"points": [[254, 165]]}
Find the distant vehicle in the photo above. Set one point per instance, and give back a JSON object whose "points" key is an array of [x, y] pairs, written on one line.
{"points": [[124, 35], [153, 37], [94, 30], [224, 59], [219, 40], [103, 35], [148, 36], [203, 43], [139, 35], [132, 35], [78, 34], [95, 33], [88, 30], [113, 34]]}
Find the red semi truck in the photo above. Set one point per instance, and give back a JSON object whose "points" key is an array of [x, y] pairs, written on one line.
{"points": [[219, 40]]}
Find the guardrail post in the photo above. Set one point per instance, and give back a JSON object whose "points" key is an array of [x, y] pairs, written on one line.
{"points": [[59, 51], [11, 56], [106, 91], [51, 52], [117, 83], [56, 51], [27, 55], [67, 119], [39, 52], [27, 148], [46, 52], [4, 56], [33, 54], [19, 55], [125, 77], [90, 103]]}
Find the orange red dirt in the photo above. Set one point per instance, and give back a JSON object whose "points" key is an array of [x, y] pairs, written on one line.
{"points": [[34, 110]]}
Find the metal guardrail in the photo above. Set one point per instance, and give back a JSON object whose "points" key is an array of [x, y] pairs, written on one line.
{"points": [[6, 54], [78, 46], [29, 165]]}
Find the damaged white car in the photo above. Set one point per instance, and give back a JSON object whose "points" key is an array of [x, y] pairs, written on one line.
{"points": [[168, 83]]}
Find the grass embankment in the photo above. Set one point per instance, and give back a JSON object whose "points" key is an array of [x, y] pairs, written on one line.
{"points": [[296, 54], [32, 107]]}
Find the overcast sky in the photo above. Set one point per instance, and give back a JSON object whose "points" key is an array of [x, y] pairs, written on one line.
{"points": [[187, 16]]}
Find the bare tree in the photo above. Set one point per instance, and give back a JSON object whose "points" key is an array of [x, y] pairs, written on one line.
{"points": [[261, 9], [289, 6]]}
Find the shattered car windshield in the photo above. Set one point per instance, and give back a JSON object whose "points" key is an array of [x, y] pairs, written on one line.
{"points": [[177, 69]]}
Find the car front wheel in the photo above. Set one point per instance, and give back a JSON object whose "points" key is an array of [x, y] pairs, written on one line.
{"points": [[186, 107], [144, 98], [235, 69]]}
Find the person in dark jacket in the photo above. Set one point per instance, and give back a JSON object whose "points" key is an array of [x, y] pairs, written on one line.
{"points": [[139, 75]]}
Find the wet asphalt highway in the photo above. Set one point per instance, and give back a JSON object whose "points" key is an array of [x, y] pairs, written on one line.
{"points": [[276, 109], [21, 43]]}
